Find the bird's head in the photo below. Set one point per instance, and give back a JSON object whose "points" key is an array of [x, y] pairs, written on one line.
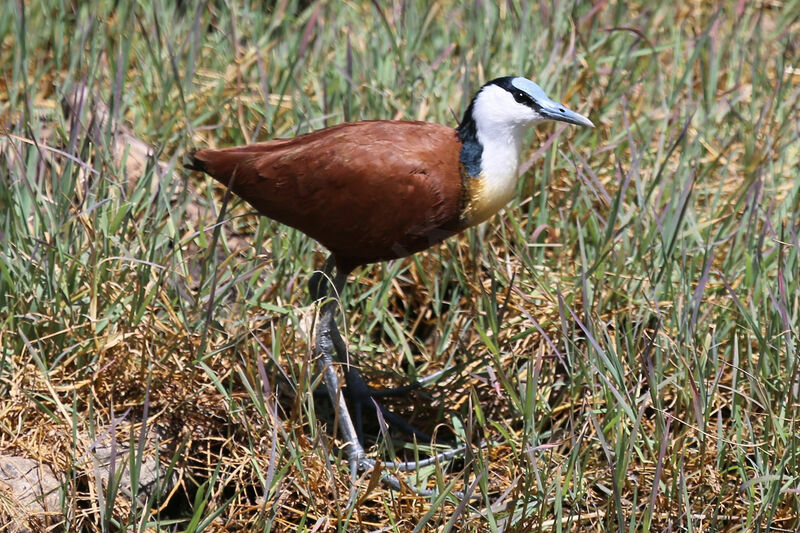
{"points": [[518, 103], [491, 135]]}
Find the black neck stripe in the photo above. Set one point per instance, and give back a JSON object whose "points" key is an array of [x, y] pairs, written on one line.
{"points": [[471, 147]]}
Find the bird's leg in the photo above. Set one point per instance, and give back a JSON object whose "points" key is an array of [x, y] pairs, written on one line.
{"points": [[361, 394], [328, 342], [325, 349], [326, 345], [358, 391], [356, 457], [318, 284]]}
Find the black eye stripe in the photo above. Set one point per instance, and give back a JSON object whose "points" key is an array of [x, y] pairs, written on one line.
{"points": [[521, 97], [525, 99]]}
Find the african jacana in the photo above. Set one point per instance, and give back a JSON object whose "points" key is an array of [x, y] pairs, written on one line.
{"points": [[378, 190]]}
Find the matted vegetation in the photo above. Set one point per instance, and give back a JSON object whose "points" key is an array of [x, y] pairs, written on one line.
{"points": [[625, 334]]}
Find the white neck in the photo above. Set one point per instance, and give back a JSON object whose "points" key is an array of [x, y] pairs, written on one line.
{"points": [[501, 139], [500, 161]]}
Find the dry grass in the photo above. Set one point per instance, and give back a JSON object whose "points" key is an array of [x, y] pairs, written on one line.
{"points": [[625, 334]]}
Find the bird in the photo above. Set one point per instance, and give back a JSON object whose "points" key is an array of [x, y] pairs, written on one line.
{"points": [[377, 190]]}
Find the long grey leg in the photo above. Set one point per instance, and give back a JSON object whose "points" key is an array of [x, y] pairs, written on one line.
{"points": [[328, 342], [327, 335]]}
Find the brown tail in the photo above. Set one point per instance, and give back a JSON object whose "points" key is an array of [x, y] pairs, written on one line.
{"points": [[194, 163], [226, 164]]}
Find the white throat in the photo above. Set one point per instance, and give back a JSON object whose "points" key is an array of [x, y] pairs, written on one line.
{"points": [[500, 161], [500, 132]]}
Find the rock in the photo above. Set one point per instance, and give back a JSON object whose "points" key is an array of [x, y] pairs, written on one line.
{"points": [[30, 499], [152, 474]]}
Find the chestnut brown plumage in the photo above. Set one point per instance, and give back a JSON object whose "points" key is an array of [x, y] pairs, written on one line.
{"points": [[367, 191], [378, 190]]}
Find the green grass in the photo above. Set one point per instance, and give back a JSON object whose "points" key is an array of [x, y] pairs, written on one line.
{"points": [[625, 332]]}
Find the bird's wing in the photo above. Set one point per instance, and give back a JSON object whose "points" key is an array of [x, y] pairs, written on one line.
{"points": [[366, 190]]}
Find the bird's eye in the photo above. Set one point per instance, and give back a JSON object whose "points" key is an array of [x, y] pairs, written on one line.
{"points": [[521, 97]]}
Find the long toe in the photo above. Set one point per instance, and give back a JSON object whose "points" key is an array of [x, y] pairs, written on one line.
{"points": [[398, 422], [403, 389], [360, 395]]}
